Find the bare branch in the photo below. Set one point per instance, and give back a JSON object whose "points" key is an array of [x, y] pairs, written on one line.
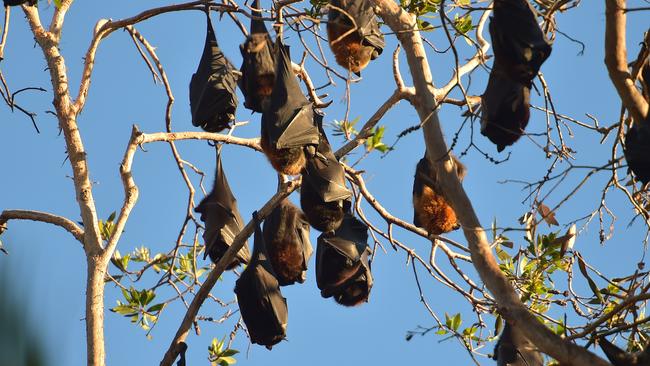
{"points": [[69, 225], [616, 60]]}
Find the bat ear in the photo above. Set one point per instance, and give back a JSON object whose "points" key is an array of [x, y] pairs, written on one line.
{"points": [[357, 73]]}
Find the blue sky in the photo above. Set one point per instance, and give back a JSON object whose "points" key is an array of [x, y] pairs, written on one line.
{"points": [[48, 266]]}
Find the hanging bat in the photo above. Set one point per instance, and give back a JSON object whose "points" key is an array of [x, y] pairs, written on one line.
{"points": [[431, 211], [288, 124], [518, 42], [513, 349], [353, 34], [342, 268], [258, 65], [262, 306], [20, 2], [505, 109], [286, 235], [618, 357], [637, 150], [222, 220], [212, 88], [520, 49], [323, 196]]}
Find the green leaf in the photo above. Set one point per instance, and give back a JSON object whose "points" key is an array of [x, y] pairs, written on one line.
{"points": [[111, 217], [57, 3], [156, 308], [227, 360], [463, 24], [456, 322], [229, 352]]}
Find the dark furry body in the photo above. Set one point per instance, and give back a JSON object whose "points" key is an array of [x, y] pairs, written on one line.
{"points": [[323, 216], [431, 211], [618, 357], [637, 150], [513, 349], [285, 233], [342, 267], [19, 2]]}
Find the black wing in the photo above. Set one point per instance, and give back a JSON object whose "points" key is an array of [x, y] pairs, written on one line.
{"points": [[263, 308], [342, 268], [505, 109], [289, 121], [517, 39], [212, 88], [222, 220], [258, 65]]}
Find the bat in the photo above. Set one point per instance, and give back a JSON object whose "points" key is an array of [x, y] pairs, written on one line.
{"points": [[288, 124], [286, 235], [353, 34], [20, 2], [222, 220], [520, 49], [505, 109], [342, 268], [262, 306], [518, 42], [513, 349], [618, 357], [637, 148], [431, 211], [213, 101], [258, 65], [323, 196]]}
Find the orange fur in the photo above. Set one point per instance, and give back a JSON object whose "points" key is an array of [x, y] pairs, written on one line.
{"points": [[348, 51], [265, 85], [289, 161], [434, 213], [286, 260]]}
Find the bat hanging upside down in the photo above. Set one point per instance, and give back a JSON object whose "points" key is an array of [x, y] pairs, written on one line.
{"points": [[431, 211], [353, 47]]}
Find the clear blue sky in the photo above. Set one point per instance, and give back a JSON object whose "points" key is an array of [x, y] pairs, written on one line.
{"points": [[49, 268]]}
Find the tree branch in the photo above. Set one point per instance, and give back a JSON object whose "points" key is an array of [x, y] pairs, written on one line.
{"points": [[68, 225], [616, 60], [510, 306]]}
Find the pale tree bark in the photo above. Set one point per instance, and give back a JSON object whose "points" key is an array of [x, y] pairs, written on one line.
{"points": [[509, 305], [616, 60]]}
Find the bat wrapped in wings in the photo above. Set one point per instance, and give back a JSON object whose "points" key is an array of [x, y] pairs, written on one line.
{"points": [[222, 220], [520, 48], [431, 211], [288, 126], [323, 196], [353, 34], [212, 88], [19, 2], [513, 349], [637, 138], [618, 357], [258, 65], [342, 268], [262, 306], [286, 235]]}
